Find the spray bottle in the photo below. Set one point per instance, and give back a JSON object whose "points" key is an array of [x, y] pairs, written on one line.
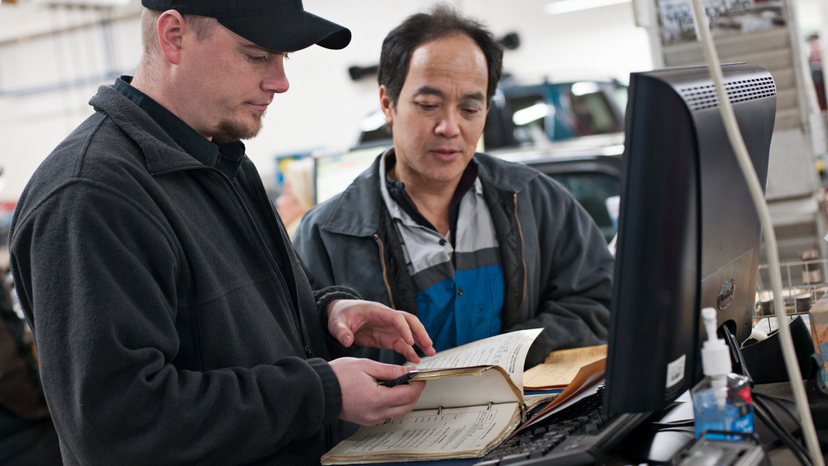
{"points": [[721, 401]]}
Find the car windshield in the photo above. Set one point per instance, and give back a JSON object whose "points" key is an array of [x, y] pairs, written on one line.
{"points": [[524, 116]]}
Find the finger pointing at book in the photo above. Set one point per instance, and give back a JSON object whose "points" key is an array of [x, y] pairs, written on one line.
{"points": [[373, 324]]}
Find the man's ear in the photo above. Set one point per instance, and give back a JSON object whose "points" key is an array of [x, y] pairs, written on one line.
{"points": [[171, 28], [387, 105]]}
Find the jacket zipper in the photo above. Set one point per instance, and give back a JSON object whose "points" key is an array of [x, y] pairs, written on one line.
{"points": [[258, 188], [384, 270], [522, 255]]}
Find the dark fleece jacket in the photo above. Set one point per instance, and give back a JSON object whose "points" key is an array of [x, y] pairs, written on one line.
{"points": [[173, 320]]}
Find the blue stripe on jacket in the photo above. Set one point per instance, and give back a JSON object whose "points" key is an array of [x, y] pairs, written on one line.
{"points": [[463, 309]]}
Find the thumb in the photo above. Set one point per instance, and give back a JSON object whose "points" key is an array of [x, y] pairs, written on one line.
{"points": [[382, 371], [343, 334]]}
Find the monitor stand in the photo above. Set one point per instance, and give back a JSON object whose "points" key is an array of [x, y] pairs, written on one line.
{"points": [[736, 358]]}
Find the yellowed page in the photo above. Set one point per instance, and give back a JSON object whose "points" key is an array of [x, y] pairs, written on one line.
{"points": [[468, 432], [561, 367], [588, 377], [507, 351], [461, 387], [533, 400]]}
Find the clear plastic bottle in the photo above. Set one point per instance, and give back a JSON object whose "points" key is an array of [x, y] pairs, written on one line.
{"points": [[721, 401]]}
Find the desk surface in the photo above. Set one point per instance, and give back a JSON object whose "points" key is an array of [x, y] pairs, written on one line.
{"points": [[663, 445], [646, 446]]}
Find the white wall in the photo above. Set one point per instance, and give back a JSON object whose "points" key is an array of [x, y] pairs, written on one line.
{"points": [[809, 16], [32, 124], [323, 107]]}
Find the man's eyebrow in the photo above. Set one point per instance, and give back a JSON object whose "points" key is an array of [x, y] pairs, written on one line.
{"points": [[474, 96], [428, 90]]}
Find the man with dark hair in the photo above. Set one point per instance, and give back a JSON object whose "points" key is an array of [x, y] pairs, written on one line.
{"points": [[420, 28], [473, 245], [174, 322]]}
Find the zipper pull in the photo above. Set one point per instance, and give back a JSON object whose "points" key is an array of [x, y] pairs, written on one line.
{"points": [[308, 351]]}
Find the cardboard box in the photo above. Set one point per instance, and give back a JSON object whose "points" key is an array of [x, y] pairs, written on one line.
{"points": [[819, 331]]}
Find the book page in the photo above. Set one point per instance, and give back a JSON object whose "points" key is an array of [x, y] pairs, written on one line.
{"points": [[589, 390], [560, 367], [507, 351], [453, 433], [466, 387], [533, 400], [588, 377]]}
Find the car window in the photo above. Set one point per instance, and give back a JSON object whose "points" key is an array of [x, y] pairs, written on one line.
{"points": [[592, 190], [594, 114], [528, 119], [591, 110], [621, 95]]}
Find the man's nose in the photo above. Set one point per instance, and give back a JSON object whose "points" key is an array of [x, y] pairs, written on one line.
{"points": [[448, 125], [276, 80]]}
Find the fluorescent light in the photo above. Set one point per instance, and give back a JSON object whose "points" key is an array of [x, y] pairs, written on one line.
{"points": [[567, 6], [584, 87], [613, 150], [530, 114]]}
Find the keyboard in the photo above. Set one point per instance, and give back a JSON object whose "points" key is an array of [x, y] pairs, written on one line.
{"points": [[579, 435]]}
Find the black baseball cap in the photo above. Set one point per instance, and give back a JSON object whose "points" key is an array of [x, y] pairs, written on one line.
{"points": [[278, 25]]}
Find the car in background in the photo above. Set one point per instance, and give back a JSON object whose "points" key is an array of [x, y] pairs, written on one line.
{"points": [[572, 132], [536, 115], [589, 167]]}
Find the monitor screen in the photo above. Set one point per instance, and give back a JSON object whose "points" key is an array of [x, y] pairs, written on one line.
{"points": [[334, 172], [688, 234]]}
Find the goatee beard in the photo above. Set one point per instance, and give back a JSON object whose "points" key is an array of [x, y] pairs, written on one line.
{"points": [[229, 131]]}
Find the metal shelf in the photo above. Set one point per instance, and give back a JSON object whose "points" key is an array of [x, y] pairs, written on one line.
{"points": [[804, 282]]}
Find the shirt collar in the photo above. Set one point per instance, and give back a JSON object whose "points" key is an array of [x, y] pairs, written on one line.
{"points": [[225, 157], [397, 200], [393, 208]]}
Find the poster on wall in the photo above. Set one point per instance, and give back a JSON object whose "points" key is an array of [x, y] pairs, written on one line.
{"points": [[726, 17]]}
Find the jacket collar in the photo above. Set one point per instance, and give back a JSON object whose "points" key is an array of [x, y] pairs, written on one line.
{"points": [[357, 209], [510, 177], [162, 153]]}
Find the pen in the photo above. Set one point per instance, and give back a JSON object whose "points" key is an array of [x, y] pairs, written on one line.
{"points": [[401, 380]]}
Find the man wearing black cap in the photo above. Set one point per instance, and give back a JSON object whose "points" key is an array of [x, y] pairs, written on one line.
{"points": [[173, 320]]}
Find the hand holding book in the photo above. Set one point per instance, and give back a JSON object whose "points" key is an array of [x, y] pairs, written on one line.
{"points": [[473, 400]]}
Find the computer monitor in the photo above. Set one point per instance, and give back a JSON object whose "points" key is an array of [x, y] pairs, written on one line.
{"points": [[688, 235]]}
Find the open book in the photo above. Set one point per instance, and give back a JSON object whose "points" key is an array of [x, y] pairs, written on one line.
{"points": [[472, 401]]}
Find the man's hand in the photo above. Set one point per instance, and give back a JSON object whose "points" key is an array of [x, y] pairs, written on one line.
{"points": [[372, 324], [366, 403]]}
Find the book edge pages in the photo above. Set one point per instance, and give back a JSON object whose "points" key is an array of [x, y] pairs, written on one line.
{"points": [[333, 459]]}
